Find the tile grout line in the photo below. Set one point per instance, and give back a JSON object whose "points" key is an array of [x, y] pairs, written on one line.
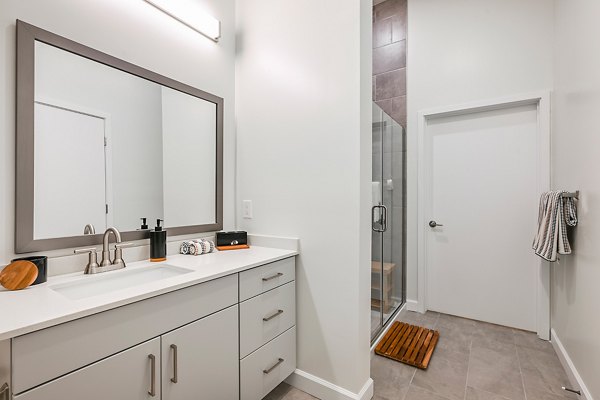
{"points": [[410, 383], [468, 367], [436, 321], [433, 393], [411, 380], [519, 362], [415, 369]]}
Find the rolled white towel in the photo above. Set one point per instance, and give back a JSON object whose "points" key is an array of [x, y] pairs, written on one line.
{"points": [[208, 246], [184, 248], [376, 199], [196, 247], [375, 193]]}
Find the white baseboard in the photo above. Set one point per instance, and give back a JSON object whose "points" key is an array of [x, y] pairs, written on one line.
{"points": [[325, 390], [413, 305], [567, 363]]}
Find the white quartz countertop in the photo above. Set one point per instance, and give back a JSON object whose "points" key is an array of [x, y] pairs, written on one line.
{"points": [[41, 306]]}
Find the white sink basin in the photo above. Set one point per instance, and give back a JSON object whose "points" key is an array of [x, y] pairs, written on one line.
{"points": [[106, 282]]}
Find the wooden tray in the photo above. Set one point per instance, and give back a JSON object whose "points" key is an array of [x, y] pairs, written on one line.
{"points": [[236, 247]]}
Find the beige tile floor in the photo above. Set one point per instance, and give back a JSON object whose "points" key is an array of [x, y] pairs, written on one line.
{"points": [[473, 361], [287, 392]]}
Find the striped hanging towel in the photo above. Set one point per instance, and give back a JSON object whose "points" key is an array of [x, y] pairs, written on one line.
{"points": [[555, 214]]}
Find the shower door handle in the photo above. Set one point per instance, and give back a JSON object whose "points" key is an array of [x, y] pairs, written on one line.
{"points": [[373, 227], [382, 218]]}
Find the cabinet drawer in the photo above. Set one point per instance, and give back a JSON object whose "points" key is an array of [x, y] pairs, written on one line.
{"points": [[266, 316], [260, 279], [124, 376], [268, 366], [41, 356]]}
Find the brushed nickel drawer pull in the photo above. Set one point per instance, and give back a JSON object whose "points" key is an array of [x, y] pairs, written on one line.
{"points": [[267, 371], [152, 391], [270, 317], [174, 348], [277, 275], [5, 392]]}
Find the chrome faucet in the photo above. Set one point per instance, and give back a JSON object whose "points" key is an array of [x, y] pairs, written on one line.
{"points": [[106, 264], [89, 230], [106, 251]]}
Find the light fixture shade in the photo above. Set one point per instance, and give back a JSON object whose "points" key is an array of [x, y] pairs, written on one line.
{"points": [[201, 22]]}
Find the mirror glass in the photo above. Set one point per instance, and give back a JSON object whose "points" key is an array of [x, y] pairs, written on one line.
{"points": [[111, 147]]}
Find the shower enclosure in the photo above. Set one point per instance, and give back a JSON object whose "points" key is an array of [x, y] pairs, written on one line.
{"points": [[387, 220]]}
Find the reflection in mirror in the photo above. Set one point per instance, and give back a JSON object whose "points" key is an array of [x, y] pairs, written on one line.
{"points": [[111, 147]]}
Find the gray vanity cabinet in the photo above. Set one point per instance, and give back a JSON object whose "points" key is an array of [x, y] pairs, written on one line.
{"points": [[124, 376], [174, 346], [202, 358]]}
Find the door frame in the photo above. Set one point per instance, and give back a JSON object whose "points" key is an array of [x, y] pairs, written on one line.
{"points": [[108, 170], [542, 101]]}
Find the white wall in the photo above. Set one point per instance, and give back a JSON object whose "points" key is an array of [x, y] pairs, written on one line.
{"points": [[576, 162], [467, 50], [303, 127], [133, 31], [188, 145]]}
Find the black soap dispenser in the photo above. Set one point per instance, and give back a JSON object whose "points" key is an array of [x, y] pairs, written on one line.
{"points": [[158, 243], [144, 226]]}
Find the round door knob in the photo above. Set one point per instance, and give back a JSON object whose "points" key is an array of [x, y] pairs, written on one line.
{"points": [[433, 224]]}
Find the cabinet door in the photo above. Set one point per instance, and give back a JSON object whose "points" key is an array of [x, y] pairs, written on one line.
{"points": [[125, 376], [200, 360]]}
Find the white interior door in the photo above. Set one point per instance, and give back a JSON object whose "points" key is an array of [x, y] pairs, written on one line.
{"points": [[483, 189], [69, 188]]}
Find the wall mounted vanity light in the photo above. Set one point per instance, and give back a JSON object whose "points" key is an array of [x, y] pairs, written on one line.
{"points": [[201, 22]]}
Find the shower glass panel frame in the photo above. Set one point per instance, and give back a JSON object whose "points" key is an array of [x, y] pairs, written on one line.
{"points": [[388, 239]]}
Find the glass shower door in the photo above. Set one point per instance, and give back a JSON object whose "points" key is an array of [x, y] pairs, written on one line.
{"points": [[377, 222], [387, 220]]}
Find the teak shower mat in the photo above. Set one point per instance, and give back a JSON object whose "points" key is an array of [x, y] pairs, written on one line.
{"points": [[409, 344]]}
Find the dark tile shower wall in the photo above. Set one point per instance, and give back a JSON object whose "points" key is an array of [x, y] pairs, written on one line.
{"points": [[389, 92], [389, 58]]}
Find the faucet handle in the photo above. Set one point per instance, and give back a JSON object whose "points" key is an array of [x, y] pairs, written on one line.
{"points": [[121, 245], [92, 264], [85, 250], [119, 253]]}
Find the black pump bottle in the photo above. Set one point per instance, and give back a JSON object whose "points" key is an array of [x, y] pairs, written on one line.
{"points": [[158, 243]]}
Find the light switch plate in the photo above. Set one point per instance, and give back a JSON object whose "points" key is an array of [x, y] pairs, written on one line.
{"points": [[247, 209]]}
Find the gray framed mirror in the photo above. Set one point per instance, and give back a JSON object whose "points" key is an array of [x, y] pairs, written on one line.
{"points": [[101, 142]]}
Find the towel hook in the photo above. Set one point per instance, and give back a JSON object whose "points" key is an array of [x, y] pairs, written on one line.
{"points": [[574, 195]]}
